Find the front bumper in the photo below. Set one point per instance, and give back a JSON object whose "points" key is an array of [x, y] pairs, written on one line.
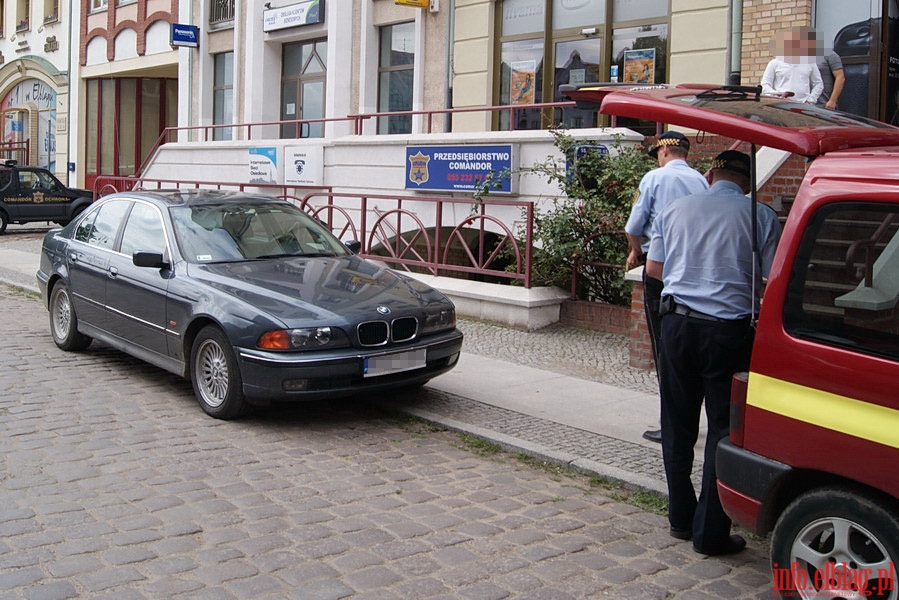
{"points": [[747, 484], [311, 376]]}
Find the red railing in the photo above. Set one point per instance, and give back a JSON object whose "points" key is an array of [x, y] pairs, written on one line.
{"points": [[408, 232], [206, 132]]}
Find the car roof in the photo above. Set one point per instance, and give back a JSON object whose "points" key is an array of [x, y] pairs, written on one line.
{"points": [[738, 112], [196, 196]]}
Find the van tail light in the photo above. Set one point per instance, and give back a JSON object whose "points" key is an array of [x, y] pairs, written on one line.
{"points": [[738, 387]]}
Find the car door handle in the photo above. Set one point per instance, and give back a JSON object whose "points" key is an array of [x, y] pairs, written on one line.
{"points": [[73, 258], [113, 272]]}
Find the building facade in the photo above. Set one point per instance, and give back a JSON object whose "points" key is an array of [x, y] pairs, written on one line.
{"points": [[34, 83], [87, 87]]}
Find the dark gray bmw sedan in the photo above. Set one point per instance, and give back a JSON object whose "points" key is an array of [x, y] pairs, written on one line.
{"points": [[246, 295]]}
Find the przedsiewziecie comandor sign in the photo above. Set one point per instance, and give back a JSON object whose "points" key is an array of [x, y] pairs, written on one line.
{"points": [[462, 168]]}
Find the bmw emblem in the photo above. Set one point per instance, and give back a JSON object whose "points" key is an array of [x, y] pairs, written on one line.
{"points": [[383, 310]]}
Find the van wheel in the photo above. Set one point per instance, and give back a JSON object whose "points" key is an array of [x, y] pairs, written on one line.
{"points": [[836, 543], [216, 376], [64, 322], [4, 221]]}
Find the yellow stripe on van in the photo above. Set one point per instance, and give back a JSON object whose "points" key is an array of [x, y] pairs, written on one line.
{"points": [[838, 413]]}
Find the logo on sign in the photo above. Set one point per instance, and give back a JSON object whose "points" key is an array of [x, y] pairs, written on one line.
{"points": [[300, 166], [418, 168]]}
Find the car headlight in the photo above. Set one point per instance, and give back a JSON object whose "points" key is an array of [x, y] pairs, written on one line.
{"points": [[439, 320], [304, 338]]}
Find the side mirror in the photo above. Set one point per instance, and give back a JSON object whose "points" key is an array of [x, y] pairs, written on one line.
{"points": [[353, 246], [153, 260]]}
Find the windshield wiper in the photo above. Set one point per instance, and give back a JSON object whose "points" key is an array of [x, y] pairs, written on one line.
{"points": [[295, 255]]}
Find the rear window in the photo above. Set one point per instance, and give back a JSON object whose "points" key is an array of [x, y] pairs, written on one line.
{"points": [[845, 283]]}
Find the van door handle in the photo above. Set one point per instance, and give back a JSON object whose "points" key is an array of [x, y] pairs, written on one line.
{"points": [[113, 272]]}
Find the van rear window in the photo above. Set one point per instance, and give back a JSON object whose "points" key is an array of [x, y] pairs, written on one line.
{"points": [[845, 284]]}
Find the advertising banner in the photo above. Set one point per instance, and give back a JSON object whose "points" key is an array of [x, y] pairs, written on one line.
{"points": [[640, 66], [462, 168]]}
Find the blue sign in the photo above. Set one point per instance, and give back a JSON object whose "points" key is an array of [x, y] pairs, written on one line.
{"points": [[462, 168], [185, 35], [579, 152]]}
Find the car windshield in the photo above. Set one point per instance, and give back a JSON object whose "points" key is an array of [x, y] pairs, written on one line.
{"points": [[210, 233]]}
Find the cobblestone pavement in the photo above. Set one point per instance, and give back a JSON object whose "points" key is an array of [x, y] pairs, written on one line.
{"points": [[114, 484]]}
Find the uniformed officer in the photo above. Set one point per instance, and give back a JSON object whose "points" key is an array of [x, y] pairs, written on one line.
{"points": [[701, 248], [674, 178]]}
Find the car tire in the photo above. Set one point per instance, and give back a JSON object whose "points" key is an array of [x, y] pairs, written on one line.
{"points": [[215, 375], [4, 221], [837, 532], [64, 321]]}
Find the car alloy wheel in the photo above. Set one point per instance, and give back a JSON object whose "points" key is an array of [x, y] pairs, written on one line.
{"points": [[836, 543], [216, 376], [64, 322], [213, 372]]}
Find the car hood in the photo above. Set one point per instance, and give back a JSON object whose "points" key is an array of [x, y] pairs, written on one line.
{"points": [[740, 113], [335, 290]]}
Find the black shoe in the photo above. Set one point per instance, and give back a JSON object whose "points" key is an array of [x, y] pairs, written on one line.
{"points": [[734, 544], [653, 435], [681, 534]]}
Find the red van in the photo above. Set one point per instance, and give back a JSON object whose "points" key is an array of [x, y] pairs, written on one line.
{"points": [[813, 453]]}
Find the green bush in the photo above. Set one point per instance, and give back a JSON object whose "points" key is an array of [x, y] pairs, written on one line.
{"points": [[585, 227]]}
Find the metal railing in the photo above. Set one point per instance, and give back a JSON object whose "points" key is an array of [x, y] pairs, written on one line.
{"points": [[413, 233], [206, 133], [221, 11]]}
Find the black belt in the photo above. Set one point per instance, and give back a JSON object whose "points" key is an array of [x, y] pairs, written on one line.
{"points": [[680, 309]]}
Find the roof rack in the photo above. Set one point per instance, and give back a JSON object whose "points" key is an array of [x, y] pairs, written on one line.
{"points": [[732, 92]]}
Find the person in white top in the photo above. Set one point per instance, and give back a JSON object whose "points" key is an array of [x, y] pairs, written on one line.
{"points": [[793, 73]]}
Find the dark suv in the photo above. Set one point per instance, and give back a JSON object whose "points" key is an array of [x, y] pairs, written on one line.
{"points": [[29, 194]]}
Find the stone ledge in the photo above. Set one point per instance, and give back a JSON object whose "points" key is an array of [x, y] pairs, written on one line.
{"points": [[509, 305]]}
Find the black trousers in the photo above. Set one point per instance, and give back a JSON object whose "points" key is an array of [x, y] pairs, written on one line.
{"points": [[652, 296], [698, 359]]}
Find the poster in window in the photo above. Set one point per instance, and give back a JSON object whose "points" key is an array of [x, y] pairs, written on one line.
{"points": [[523, 82], [640, 65]]}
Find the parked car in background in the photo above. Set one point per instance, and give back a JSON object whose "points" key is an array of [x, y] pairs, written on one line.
{"points": [[29, 194], [814, 440], [246, 295]]}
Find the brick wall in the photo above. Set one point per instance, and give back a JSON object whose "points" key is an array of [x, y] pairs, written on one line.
{"points": [[761, 20], [597, 316]]}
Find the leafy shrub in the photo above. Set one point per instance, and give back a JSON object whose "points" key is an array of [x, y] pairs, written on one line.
{"points": [[584, 229]]}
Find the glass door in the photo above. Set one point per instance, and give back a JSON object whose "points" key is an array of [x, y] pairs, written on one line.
{"points": [[303, 88]]}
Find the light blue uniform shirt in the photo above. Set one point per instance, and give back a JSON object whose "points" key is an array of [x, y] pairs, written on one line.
{"points": [[705, 243], [658, 188]]}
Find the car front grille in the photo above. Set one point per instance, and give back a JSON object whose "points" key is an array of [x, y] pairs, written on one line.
{"points": [[380, 333]]}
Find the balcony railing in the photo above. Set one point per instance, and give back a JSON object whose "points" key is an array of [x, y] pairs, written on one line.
{"points": [[221, 11]]}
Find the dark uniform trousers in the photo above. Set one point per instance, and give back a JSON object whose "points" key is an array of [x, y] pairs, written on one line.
{"points": [[652, 295], [697, 361]]}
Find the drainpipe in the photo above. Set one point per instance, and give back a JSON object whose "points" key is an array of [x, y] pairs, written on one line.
{"points": [[735, 48], [450, 49]]}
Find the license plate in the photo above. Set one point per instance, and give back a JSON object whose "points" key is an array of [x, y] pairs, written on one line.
{"points": [[397, 362]]}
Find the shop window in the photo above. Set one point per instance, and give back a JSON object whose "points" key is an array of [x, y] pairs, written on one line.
{"points": [[576, 46], [395, 76], [223, 95]]}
